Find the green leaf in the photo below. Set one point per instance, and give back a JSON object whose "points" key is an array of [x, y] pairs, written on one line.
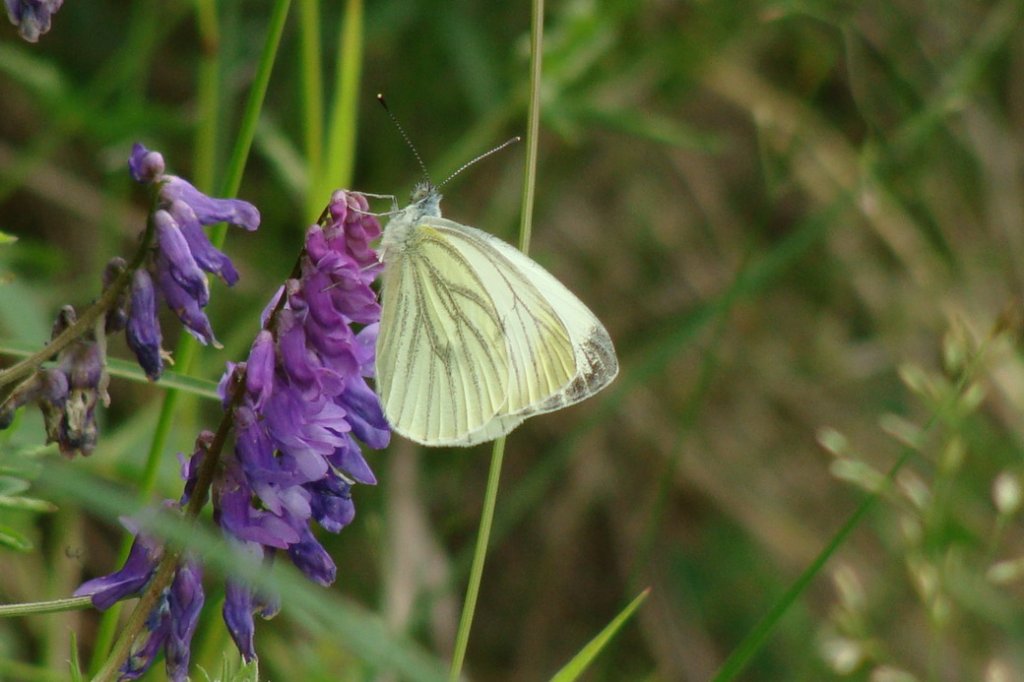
{"points": [[26, 503], [9, 485], [6, 239], [12, 539], [19, 468], [581, 661]]}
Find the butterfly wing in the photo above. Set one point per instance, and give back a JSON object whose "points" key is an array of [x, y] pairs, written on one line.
{"points": [[442, 363], [460, 307]]}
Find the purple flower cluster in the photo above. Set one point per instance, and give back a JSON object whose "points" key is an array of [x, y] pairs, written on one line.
{"points": [[305, 402], [174, 270], [300, 405], [182, 254], [32, 17], [173, 621]]}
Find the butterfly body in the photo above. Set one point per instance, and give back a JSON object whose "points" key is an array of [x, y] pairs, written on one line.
{"points": [[475, 336]]}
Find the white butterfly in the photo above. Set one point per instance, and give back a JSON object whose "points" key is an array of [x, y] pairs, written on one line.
{"points": [[475, 336]]}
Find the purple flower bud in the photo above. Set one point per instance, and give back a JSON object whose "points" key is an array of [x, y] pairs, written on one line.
{"points": [[48, 387], [311, 558], [185, 602], [352, 229], [32, 17], [65, 318], [144, 165], [365, 414], [130, 580], [190, 468], [208, 210], [206, 255], [332, 503], [185, 307], [175, 256], [259, 374], [145, 649], [143, 329], [238, 610], [348, 458], [68, 393]]}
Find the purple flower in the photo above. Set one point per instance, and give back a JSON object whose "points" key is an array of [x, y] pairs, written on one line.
{"points": [[32, 17], [142, 330], [130, 580], [170, 627], [182, 255], [172, 622], [305, 402], [304, 407]]}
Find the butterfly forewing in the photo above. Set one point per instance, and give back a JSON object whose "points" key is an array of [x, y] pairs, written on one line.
{"points": [[474, 336], [442, 363], [540, 350]]}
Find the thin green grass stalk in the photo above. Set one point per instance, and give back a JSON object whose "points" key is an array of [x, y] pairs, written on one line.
{"points": [[312, 86], [479, 557], [186, 348], [758, 637], [341, 143], [209, 89], [581, 661], [498, 453]]}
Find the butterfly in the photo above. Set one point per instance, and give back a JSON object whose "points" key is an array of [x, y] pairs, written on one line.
{"points": [[474, 335]]}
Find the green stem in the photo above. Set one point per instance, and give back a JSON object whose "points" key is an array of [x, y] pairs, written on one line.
{"points": [[479, 557], [53, 606], [312, 87], [498, 453], [341, 142]]}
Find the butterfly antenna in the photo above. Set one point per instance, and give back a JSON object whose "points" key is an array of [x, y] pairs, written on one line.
{"points": [[405, 136], [469, 163]]}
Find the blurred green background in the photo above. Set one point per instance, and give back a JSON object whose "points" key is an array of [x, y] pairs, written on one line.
{"points": [[802, 223]]}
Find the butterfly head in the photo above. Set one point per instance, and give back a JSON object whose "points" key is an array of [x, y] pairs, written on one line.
{"points": [[426, 198]]}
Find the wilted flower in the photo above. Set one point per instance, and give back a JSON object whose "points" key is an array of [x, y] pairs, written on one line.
{"points": [[32, 17], [68, 393]]}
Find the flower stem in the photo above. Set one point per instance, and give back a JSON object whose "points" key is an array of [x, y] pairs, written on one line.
{"points": [[84, 322], [52, 606]]}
